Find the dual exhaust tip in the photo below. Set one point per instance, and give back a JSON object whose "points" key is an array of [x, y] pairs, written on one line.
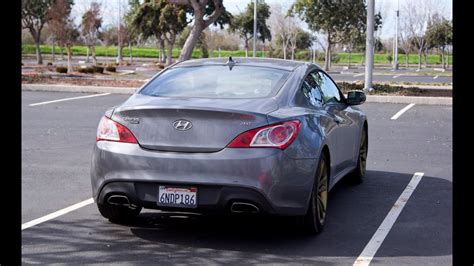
{"points": [[120, 200], [236, 207], [244, 207]]}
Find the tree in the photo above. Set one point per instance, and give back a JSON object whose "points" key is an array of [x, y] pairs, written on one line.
{"points": [[304, 40], [162, 20], [279, 25], [172, 22], [34, 17], [417, 14], [132, 33], [205, 13], [90, 24], [242, 24], [439, 34], [109, 37], [145, 21], [63, 27], [335, 19]]}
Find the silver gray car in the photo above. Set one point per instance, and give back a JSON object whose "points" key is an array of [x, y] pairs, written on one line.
{"points": [[241, 135]]}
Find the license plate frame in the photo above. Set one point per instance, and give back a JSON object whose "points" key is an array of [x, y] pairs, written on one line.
{"points": [[175, 196]]}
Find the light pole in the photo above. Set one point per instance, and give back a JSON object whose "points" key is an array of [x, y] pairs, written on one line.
{"points": [[395, 57], [255, 28], [119, 55], [369, 45]]}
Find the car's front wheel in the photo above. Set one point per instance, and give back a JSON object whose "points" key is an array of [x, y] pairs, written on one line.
{"points": [[313, 221], [117, 213]]}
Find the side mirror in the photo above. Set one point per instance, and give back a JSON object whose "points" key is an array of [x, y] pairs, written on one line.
{"points": [[355, 97]]}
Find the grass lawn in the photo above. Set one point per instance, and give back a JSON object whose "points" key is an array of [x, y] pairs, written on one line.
{"points": [[356, 58]]}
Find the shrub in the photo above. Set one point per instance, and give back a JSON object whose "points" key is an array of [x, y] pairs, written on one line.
{"points": [[389, 58], [98, 69], [381, 89], [61, 69], [49, 64], [320, 56], [111, 68], [88, 70]]}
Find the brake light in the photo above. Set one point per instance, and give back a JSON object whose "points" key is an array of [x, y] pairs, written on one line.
{"points": [[110, 130], [279, 135]]}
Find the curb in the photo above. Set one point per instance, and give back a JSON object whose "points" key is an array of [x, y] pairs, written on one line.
{"points": [[410, 99], [120, 90], [75, 88]]}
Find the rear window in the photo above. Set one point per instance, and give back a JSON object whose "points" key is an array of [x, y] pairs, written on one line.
{"points": [[217, 81]]}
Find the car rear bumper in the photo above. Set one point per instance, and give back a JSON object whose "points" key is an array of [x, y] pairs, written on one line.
{"points": [[267, 178]]}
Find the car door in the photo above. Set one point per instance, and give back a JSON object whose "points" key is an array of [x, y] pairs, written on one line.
{"points": [[340, 112], [311, 94]]}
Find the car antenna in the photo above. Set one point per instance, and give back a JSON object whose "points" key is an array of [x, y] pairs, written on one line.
{"points": [[230, 63]]}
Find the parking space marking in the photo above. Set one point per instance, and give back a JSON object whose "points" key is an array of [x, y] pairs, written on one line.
{"points": [[397, 115], [56, 214], [358, 75], [396, 76], [376, 241], [69, 99], [435, 77]]}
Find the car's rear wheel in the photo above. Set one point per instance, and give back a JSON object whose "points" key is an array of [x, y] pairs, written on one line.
{"points": [[117, 213], [357, 176], [313, 221]]}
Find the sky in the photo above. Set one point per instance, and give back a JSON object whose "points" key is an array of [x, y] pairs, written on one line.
{"points": [[386, 7]]}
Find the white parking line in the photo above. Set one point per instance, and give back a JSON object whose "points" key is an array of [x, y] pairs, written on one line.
{"points": [[376, 241], [69, 99], [435, 77], [358, 75], [56, 214], [396, 76], [397, 115]]}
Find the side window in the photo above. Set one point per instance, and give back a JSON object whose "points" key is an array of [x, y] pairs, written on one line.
{"points": [[311, 91], [328, 88]]}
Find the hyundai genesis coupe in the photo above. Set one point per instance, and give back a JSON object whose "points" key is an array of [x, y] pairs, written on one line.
{"points": [[242, 135]]}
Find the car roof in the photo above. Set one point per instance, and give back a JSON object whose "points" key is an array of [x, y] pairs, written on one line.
{"points": [[288, 65]]}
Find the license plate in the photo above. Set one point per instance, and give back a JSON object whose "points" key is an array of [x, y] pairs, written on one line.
{"points": [[181, 197]]}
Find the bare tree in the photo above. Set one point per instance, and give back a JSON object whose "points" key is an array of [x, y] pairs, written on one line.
{"points": [[415, 16], [293, 30], [279, 26], [63, 27], [90, 24]]}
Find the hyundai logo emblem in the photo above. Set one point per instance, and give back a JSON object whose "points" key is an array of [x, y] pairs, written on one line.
{"points": [[182, 125]]}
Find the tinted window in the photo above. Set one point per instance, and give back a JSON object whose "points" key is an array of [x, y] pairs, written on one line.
{"points": [[217, 81], [328, 88], [311, 90]]}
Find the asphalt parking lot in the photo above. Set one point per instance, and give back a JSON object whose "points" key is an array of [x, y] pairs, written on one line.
{"points": [[57, 141]]}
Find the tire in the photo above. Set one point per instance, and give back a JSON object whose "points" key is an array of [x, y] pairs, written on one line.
{"points": [[116, 213], [357, 176], [313, 221]]}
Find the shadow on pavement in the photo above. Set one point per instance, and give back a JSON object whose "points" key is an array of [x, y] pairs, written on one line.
{"points": [[355, 212]]}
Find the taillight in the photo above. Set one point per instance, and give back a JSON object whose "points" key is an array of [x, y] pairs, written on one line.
{"points": [[112, 131], [279, 135]]}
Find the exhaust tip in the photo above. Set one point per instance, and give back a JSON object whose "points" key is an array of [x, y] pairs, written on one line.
{"points": [[119, 200], [244, 207]]}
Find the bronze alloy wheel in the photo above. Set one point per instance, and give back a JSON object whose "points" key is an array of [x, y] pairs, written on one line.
{"points": [[322, 196], [316, 216]]}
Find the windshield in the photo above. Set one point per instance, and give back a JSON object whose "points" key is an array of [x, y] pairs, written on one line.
{"points": [[217, 81]]}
